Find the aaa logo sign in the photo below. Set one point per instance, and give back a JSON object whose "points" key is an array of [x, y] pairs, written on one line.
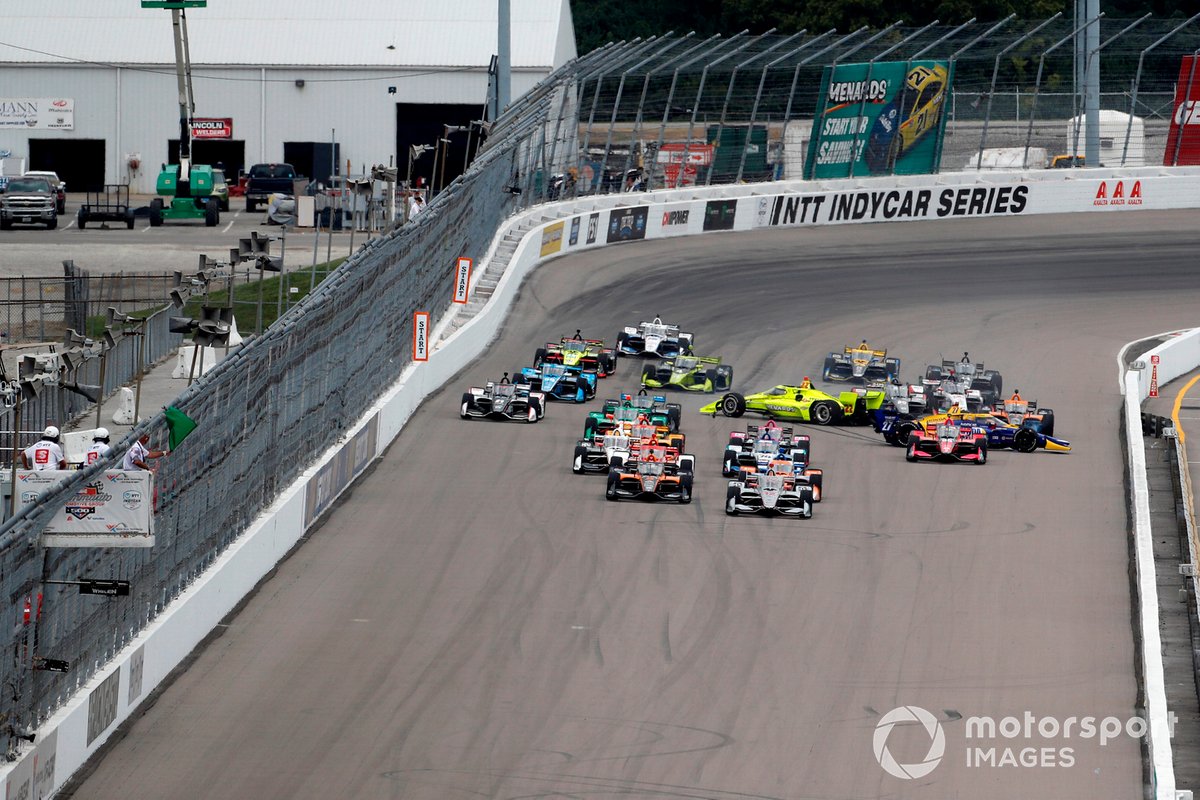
{"points": [[1114, 194]]}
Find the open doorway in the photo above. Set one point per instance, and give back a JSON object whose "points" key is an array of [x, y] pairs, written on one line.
{"points": [[315, 160], [231, 153], [424, 123]]}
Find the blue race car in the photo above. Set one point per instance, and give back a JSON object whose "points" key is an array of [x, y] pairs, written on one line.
{"points": [[558, 382], [1001, 434]]}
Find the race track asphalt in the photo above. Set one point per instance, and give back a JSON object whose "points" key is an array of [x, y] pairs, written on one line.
{"points": [[474, 621]]}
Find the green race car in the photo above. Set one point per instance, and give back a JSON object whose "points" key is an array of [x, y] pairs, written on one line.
{"points": [[629, 408], [802, 403], [691, 373]]}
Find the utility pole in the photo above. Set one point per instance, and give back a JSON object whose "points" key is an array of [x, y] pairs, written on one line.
{"points": [[1091, 94], [504, 60]]}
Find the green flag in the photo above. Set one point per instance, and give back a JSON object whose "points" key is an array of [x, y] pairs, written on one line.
{"points": [[179, 424]]}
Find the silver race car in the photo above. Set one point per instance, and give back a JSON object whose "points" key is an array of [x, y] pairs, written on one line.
{"points": [[654, 338], [503, 400]]}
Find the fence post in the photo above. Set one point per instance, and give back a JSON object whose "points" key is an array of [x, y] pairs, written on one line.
{"points": [[1037, 85], [992, 90]]}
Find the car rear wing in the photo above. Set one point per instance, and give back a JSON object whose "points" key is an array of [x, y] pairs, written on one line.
{"points": [[705, 359], [850, 350], [563, 340]]}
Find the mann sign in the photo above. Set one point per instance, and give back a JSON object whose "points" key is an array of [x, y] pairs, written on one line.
{"points": [[39, 113], [1183, 140]]}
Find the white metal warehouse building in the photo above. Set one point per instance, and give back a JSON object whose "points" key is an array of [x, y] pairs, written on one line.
{"points": [[88, 88]]}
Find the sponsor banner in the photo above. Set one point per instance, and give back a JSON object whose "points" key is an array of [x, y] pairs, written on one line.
{"points": [[210, 128], [39, 113], [462, 279], [677, 174], [627, 224], [115, 509], [879, 119], [719, 215], [1183, 140], [421, 336], [574, 240], [552, 236], [33, 776], [1119, 194], [102, 706], [593, 227], [343, 468], [881, 205], [676, 218], [137, 674]]}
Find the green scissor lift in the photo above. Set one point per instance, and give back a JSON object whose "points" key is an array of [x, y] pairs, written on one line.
{"points": [[189, 186]]}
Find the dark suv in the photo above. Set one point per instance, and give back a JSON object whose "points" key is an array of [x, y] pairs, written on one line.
{"points": [[28, 201]]}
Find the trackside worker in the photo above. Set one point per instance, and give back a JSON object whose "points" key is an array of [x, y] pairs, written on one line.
{"points": [[138, 455], [99, 448], [46, 453]]}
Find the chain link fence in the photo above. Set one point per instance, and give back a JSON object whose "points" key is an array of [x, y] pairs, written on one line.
{"points": [[599, 124]]}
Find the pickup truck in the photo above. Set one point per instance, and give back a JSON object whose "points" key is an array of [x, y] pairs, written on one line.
{"points": [[29, 201], [268, 179]]}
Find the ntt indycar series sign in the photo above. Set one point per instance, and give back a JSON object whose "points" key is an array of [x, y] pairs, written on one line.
{"points": [[881, 205]]}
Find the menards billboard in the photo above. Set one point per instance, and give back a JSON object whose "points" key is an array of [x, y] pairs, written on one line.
{"points": [[879, 119]]}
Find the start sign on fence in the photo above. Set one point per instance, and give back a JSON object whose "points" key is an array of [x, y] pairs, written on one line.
{"points": [[421, 336], [462, 279], [1154, 376]]}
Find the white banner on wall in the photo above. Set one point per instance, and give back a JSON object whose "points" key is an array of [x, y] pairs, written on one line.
{"points": [[115, 509], [43, 113]]}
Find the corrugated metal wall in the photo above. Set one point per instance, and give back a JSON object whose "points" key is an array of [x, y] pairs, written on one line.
{"points": [[135, 109]]}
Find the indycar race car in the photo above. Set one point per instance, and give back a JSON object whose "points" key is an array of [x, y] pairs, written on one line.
{"points": [[776, 492], [587, 354], [654, 407], [559, 382], [758, 449], [1023, 413], [896, 429], [503, 400], [951, 441], [612, 450], [651, 477], [862, 363], [964, 380], [691, 373], [803, 403], [654, 338]]}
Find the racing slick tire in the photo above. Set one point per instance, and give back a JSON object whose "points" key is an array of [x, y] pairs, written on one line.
{"points": [[610, 492], [728, 464], [608, 364], [531, 414], [822, 412], [724, 380], [577, 463], [537, 406], [733, 405], [891, 438], [710, 381], [622, 342], [615, 463], [910, 454], [731, 496], [685, 489], [649, 371], [1025, 440], [466, 403], [539, 357], [674, 411], [1047, 422], [982, 456], [589, 428], [903, 430], [827, 370]]}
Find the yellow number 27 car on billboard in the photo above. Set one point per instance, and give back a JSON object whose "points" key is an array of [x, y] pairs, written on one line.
{"points": [[915, 112]]}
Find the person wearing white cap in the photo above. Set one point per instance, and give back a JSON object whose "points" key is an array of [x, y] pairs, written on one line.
{"points": [[99, 448], [45, 453], [138, 455]]}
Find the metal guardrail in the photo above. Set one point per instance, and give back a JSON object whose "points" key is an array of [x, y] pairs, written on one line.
{"points": [[273, 406]]}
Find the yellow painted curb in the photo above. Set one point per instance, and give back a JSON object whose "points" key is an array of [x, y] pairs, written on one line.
{"points": [[1175, 408]]}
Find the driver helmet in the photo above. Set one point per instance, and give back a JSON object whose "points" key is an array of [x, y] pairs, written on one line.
{"points": [[806, 383]]}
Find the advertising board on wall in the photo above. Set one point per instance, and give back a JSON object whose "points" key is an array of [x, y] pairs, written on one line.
{"points": [[212, 128], [324, 487], [879, 119], [552, 237], [39, 113], [114, 509], [1183, 140], [627, 224], [884, 205]]}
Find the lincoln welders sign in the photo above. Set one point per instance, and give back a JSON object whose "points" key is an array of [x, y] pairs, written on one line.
{"points": [[114, 509], [882, 205], [210, 128], [44, 113], [879, 119]]}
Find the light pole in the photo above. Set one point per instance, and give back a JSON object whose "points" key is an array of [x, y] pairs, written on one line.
{"points": [[115, 316], [445, 142], [415, 151]]}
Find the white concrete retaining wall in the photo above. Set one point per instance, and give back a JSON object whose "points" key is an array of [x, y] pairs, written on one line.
{"points": [[75, 732]]}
